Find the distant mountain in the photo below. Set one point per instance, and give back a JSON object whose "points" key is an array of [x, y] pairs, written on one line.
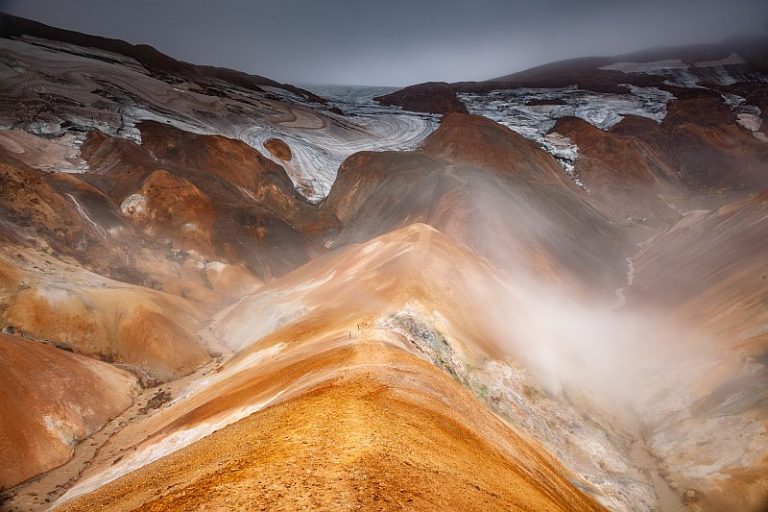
{"points": [[724, 66], [158, 63]]}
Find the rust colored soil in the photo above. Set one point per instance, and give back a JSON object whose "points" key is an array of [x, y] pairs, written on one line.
{"points": [[353, 443]]}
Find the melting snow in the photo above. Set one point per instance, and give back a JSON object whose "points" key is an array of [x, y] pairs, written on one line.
{"points": [[110, 93], [748, 116], [512, 109], [725, 71]]}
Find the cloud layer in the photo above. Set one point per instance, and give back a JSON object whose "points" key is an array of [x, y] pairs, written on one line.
{"points": [[397, 42]]}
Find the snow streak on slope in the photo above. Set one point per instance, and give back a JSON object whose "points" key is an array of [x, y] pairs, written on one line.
{"points": [[726, 71], [748, 116], [51, 89], [54, 155], [533, 112], [675, 70]]}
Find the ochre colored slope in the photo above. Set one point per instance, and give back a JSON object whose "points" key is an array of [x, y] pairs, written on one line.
{"points": [[386, 432], [49, 300], [49, 400]]}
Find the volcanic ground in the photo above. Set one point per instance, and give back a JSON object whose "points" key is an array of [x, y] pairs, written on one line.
{"points": [[545, 291]]}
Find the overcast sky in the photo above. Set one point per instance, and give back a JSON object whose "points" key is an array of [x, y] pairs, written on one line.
{"points": [[397, 42]]}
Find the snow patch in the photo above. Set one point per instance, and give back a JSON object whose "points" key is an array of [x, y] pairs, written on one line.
{"points": [[748, 116], [512, 109], [678, 73], [565, 151], [112, 94]]}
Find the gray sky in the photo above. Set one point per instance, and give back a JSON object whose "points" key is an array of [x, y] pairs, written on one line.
{"points": [[397, 42]]}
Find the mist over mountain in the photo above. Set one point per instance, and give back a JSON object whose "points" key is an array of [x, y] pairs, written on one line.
{"points": [[546, 290]]}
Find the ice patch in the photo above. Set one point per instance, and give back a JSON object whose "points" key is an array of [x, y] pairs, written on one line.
{"points": [[512, 109], [676, 71], [565, 151], [748, 116], [112, 94], [318, 146], [724, 71]]}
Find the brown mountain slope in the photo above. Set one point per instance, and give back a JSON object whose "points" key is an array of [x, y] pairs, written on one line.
{"points": [[153, 60], [464, 325], [480, 142], [483, 185], [49, 400], [255, 218], [697, 157], [207, 200], [708, 259], [63, 305], [628, 178], [597, 74], [326, 404], [432, 97], [711, 270]]}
